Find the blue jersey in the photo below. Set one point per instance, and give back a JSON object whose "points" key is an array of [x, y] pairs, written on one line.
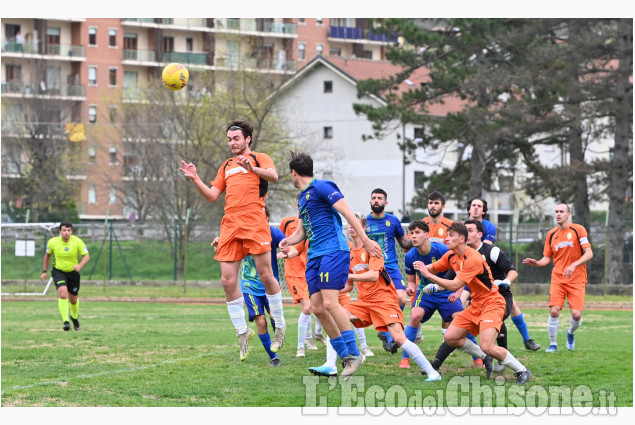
{"points": [[436, 252], [322, 222], [489, 233], [250, 281], [384, 230]]}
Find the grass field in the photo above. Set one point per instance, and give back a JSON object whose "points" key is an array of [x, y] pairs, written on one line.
{"points": [[168, 354]]}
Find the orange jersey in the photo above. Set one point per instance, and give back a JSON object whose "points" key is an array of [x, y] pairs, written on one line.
{"points": [[376, 291], [566, 246], [244, 190], [295, 266], [438, 231], [472, 269]]}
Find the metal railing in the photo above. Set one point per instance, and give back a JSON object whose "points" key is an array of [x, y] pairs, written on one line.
{"points": [[66, 50], [185, 58], [30, 88], [139, 55]]}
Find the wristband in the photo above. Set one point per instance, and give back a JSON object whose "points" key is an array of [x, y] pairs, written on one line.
{"points": [[43, 271]]}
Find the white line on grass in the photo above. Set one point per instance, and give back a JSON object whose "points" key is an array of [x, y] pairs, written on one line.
{"points": [[111, 372]]}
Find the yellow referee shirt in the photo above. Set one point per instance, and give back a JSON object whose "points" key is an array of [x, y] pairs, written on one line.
{"points": [[66, 253]]}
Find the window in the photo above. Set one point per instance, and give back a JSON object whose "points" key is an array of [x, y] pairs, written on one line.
{"points": [[418, 134], [335, 51], [301, 54], [319, 21], [419, 179], [367, 54], [130, 46], [53, 40], [112, 109], [92, 154], [112, 37], [189, 44], [319, 47], [92, 194], [168, 44], [13, 72], [92, 113], [92, 36], [328, 132], [113, 154], [328, 87], [112, 77], [92, 75], [112, 198], [301, 21]]}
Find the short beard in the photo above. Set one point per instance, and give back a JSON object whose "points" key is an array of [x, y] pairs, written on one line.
{"points": [[377, 210], [434, 215]]}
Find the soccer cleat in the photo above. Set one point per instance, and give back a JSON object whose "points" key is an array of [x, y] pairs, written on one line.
{"points": [[319, 337], [404, 363], [350, 365], [478, 363], [310, 344], [419, 339], [394, 347], [76, 325], [278, 339], [67, 326], [488, 362], [243, 340], [532, 345], [437, 377], [570, 341], [384, 341], [499, 368], [275, 362], [323, 371], [366, 352], [522, 377], [300, 352], [552, 349]]}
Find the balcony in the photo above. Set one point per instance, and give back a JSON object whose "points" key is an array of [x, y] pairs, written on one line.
{"points": [[139, 55], [252, 25], [256, 64], [186, 58], [61, 50], [20, 88], [348, 33]]}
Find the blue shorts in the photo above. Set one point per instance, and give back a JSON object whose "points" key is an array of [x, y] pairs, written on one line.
{"points": [[432, 303], [397, 280], [329, 271], [256, 305]]}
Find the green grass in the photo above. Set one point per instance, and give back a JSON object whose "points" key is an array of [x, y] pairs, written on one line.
{"points": [[168, 354]]}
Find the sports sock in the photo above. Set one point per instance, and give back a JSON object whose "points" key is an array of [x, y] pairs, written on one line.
{"points": [[275, 305], [361, 337], [339, 346], [74, 309], [351, 344], [266, 342], [417, 355], [573, 325], [388, 337], [473, 339], [62, 304], [318, 325], [309, 329], [331, 355], [442, 353], [552, 328], [472, 349], [419, 333], [501, 340], [511, 362], [236, 309], [402, 306], [411, 334], [303, 323], [519, 321]]}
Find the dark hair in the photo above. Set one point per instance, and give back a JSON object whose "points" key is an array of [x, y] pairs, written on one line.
{"points": [[267, 211], [419, 224], [433, 196], [459, 228], [469, 203], [245, 126], [65, 224], [301, 163], [381, 191], [477, 223]]}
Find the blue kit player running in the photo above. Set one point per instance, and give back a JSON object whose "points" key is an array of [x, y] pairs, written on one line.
{"points": [[328, 255], [425, 305], [386, 229]]}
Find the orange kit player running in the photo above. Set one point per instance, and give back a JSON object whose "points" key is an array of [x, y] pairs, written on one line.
{"points": [[570, 248], [244, 229], [484, 315], [377, 302]]}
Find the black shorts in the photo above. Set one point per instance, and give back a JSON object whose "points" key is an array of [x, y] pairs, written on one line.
{"points": [[68, 279]]}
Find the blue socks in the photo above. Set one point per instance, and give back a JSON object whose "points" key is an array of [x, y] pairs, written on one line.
{"points": [[519, 321], [339, 345], [411, 334], [388, 337], [266, 342], [351, 342]]}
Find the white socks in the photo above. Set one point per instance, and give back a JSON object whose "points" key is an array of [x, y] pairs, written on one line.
{"points": [[573, 325], [303, 324], [275, 305], [417, 355], [331, 355], [318, 326], [309, 329], [236, 309], [511, 362], [361, 337], [552, 328], [472, 349]]}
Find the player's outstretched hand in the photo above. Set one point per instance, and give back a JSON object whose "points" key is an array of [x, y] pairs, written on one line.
{"points": [[372, 247], [188, 169], [530, 262], [430, 288]]}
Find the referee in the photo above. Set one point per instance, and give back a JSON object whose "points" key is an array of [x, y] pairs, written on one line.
{"points": [[66, 248]]}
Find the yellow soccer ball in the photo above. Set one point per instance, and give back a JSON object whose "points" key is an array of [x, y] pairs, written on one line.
{"points": [[175, 76]]}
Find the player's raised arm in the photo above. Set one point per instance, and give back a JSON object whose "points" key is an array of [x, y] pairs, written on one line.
{"points": [[269, 174], [189, 171], [544, 261], [371, 247], [294, 238]]}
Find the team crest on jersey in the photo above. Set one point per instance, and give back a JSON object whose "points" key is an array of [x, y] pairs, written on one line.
{"points": [[66, 249], [569, 235], [363, 256], [307, 196], [387, 223], [440, 232]]}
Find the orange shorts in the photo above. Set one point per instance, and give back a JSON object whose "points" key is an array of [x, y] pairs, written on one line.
{"points": [[574, 291], [344, 298], [298, 288], [377, 314], [242, 234], [491, 316]]}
